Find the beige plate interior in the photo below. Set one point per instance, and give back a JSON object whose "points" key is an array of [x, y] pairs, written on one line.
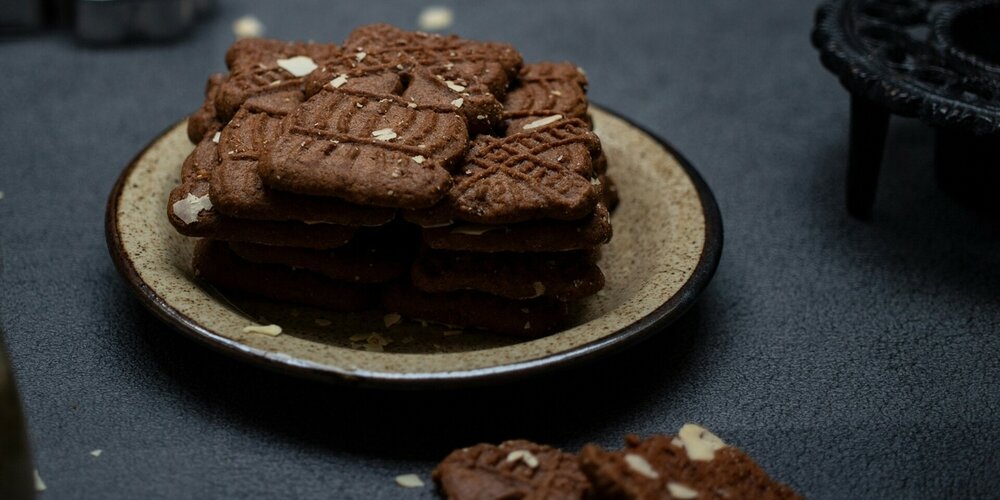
{"points": [[666, 245]]}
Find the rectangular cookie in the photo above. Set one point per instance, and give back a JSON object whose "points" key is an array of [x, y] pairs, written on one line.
{"points": [[191, 212], [261, 66], [517, 276], [546, 89], [236, 187], [542, 171], [372, 256], [217, 264], [533, 236]]}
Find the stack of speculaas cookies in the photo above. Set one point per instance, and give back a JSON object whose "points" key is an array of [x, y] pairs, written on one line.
{"points": [[438, 177]]}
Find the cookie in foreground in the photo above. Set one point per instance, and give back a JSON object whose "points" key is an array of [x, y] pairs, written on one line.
{"points": [[513, 469], [694, 464]]}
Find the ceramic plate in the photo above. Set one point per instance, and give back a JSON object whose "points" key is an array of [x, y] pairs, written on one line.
{"points": [[666, 246]]}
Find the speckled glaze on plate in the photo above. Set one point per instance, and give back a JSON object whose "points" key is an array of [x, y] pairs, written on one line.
{"points": [[666, 246]]}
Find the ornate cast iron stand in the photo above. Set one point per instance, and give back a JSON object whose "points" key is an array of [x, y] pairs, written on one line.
{"points": [[935, 60]]}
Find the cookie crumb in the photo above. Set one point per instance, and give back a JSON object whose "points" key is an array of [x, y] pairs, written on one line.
{"points": [[385, 134], [435, 18], [339, 81], [39, 484], [270, 330], [187, 210], [248, 27], [376, 342], [298, 66], [541, 122], [699, 443], [474, 229], [409, 481], [678, 490], [97, 452], [391, 319], [525, 456], [323, 322], [640, 465]]}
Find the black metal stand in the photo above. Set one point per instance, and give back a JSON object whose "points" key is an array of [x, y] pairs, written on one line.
{"points": [[869, 124], [968, 167], [935, 60]]}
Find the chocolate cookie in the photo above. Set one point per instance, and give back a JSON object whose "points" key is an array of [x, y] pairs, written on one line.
{"points": [[262, 66], [522, 318], [560, 275], [533, 236], [215, 263], [191, 212], [513, 470], [695, 464], [546, 89], [541, 171], [491, 64], [204, 120], [368, 258], [236, 187], [367, 148]]}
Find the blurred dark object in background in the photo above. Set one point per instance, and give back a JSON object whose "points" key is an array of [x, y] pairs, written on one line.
{"points": [[105, 21], [938, 61], [16, 472]]}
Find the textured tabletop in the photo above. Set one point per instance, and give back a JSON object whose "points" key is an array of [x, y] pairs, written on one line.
{"points": [[851, 359]]}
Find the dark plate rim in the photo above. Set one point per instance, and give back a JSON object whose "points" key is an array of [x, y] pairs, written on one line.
{"points": [[629, 335]]}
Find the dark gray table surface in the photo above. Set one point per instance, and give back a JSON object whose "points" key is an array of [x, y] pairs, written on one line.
{"points": [[851, 359]]}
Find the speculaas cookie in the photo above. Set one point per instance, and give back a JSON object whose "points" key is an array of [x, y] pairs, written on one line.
{"points": [[515, 469], [204, 120], [695, 464], [522, 318], [191, 212], [473, 62], [546, 89], [236, 187], [261, 66], [542, 171], [533, 236], [367, 148], [372, 256], [560, 275], [217, 264]]}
